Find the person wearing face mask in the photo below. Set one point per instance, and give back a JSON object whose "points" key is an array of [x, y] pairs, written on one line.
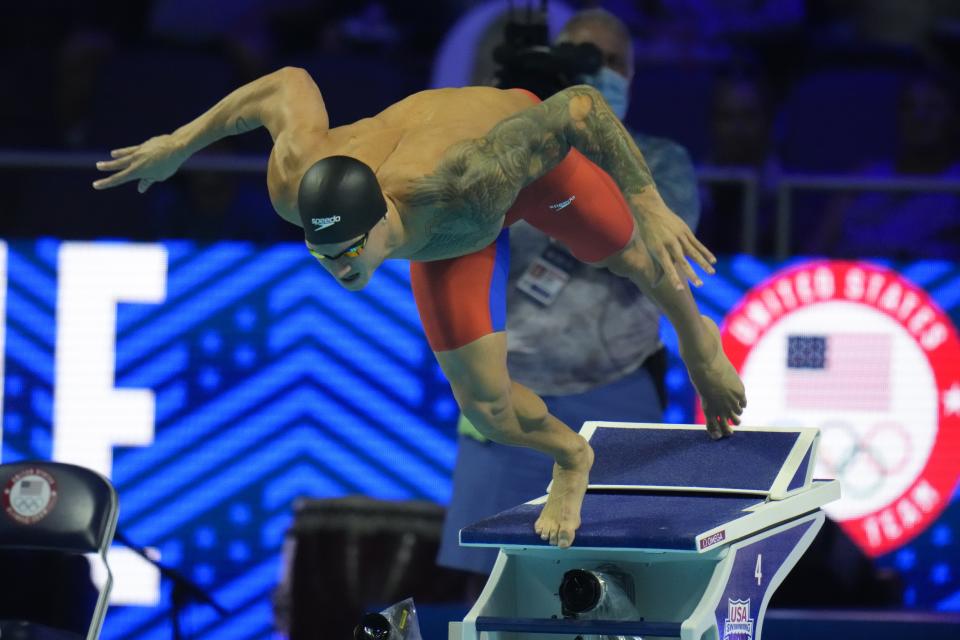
{"points": [[585, 341]]}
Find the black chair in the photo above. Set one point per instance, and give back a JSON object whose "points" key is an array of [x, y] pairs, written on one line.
{"points": [[52, 517]]}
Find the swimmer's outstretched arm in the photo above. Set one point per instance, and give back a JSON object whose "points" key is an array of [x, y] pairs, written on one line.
{"points": [[530, 143], [280, 101]]}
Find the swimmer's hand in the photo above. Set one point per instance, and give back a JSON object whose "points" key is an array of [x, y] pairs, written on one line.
{"points": [[670, 242], [152, 161]]}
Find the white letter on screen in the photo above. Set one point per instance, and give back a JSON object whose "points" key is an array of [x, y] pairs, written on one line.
{"points": [[90, 416]]}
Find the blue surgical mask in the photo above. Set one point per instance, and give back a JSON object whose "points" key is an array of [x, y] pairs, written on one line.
{"points": [[614, 87]]}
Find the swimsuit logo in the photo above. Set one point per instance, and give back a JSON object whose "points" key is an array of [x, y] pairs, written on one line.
{"points": [[563, 205], [323, 223], [738, 625]]}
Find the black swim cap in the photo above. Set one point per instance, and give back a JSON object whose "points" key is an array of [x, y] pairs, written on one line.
{"points": [[339, 199]]}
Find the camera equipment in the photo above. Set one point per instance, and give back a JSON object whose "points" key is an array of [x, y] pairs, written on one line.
{"points": [[604, 593], [528, 61]]}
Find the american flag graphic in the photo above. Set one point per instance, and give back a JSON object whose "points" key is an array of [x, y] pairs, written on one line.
{"points": [[844, 371], [30, 488]]}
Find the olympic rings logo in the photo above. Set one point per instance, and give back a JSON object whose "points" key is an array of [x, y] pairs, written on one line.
{"points": [[864, 461], [28, 506], [29, 496]]}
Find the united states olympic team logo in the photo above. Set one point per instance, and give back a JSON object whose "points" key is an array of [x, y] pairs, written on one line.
{"points": [[30, 495], [865, 355]]}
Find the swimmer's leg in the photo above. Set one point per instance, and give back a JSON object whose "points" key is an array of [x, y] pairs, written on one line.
{"points": [[716, 381], [511, 414]]}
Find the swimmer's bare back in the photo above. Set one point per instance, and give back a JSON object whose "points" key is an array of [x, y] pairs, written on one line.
{"points": [[451, 161]]}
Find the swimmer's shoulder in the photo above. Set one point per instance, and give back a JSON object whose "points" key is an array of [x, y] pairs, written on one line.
{"points": [[289, 159], [435, 107]]}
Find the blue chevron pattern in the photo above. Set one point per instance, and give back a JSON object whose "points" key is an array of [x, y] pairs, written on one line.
{"points": [[272, 383]]}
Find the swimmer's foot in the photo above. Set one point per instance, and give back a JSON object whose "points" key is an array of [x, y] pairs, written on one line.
{"points": [[720, 389], [560, 518]]}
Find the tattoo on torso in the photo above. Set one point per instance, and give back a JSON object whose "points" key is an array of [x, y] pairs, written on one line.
{"points": [[462, 204]]}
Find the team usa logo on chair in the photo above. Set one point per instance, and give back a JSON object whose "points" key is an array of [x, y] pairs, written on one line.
{"points": [[738, 625], [30, 495], [866, 356]]}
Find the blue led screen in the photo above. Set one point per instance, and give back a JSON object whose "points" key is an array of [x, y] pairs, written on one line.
{"points": [[271, 382]]}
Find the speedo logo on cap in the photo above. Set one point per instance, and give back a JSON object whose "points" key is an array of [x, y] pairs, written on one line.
{"points": [[323, 223]]}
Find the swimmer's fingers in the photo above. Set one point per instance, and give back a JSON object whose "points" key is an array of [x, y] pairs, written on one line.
{"points": [[125, 151], [678, 251], [669, 270], [700, 254], [692, 254], [153, 161], [116, 179], [115, 165]]}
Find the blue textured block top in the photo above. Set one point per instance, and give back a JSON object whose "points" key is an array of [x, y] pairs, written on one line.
{"points": [[618, 519], [750, 460]]}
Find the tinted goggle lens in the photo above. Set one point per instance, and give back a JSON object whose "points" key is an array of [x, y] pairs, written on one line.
{"points": [[350, 252]]}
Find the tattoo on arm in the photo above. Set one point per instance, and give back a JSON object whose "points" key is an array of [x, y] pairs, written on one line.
{"points": [[478, 180], [528, 144], [588, 125], [482, 177]]}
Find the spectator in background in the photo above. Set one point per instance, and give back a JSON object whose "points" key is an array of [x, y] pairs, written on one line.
{"points": [[596, 354], [741, 119], [740, 122], [905, 224]]}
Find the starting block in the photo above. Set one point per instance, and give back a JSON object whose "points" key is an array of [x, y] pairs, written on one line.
{"points": [[703, 530]]}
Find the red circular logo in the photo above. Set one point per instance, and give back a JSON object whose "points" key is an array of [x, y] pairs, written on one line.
{"points": [[866, 356], [30, 495]]}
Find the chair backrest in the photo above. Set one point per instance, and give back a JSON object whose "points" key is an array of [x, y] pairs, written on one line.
{"points": [[58, 507]]}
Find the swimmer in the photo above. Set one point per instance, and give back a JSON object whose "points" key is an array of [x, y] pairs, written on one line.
{"points": [[434, 179]]}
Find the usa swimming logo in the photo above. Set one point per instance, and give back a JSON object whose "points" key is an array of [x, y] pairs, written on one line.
{"points": [[738, 624]]}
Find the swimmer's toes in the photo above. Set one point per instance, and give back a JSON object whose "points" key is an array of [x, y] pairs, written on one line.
{"points": [[542, 527]]}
